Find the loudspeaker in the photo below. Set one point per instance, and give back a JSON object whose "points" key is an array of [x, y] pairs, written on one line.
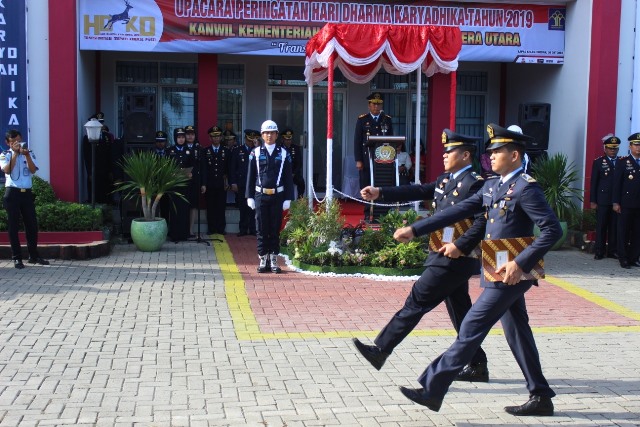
{"points": [[140, 118], [534, 119]]}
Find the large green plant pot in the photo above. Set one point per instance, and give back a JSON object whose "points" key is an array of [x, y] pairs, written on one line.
{"points": [[558, 245], [148, 236]]}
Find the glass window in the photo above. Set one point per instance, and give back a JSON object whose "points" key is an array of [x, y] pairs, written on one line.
{"points": [[178, 108], [136, 72], [230, 74], [230, 110], [471, 102], [178, 73], [286, 75]]}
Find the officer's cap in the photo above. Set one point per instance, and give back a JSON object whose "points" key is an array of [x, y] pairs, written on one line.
{"points": [[214, 131], [287, 134], [189, 129], [251, 134], [611, 141], [229, 135], [634, 138], [375, 98], [100, 116], [179, 131], [161, 136], [499, 137], [452, 140]]}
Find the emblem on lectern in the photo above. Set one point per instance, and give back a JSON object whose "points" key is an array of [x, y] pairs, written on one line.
{"points": [[385, 154]]}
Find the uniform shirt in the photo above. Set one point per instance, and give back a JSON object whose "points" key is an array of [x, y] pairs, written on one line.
{"points": [[602, 176], [215, 165], [626, 185], [20, 176], [238, 166], [265, 170], [296, 158], [368, 125]]}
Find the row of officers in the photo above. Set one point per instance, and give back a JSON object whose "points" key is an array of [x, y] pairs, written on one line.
{"points": [[216, 170], [615, 194]]}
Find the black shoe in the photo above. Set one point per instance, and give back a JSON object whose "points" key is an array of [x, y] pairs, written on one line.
{"points": [[635, 264], [240, 234], [624, 264], [17, 263], [475, 373], [372, 353], [536, 405], [613, 255], [38, 261], [417, 395], [598, 256]]}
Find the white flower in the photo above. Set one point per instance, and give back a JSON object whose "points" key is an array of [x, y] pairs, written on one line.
{"points": [[334, 249]]}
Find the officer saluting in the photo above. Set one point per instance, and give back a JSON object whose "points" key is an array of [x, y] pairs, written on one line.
{"points": [[602, 175], [238, 169], [373, 123], [215, 167], [269, 191], [626, 202]]}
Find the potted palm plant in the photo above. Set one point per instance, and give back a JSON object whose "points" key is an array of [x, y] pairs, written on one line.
{"points": [[150, 178], [557, 178]]}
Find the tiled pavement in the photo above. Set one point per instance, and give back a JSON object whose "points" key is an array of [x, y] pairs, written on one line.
{"points": [[193, 336]]}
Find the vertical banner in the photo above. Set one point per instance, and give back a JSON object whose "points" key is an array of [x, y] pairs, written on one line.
{"points": [[13, 68]]}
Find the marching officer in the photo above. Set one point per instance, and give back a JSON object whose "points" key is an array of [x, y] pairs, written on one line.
{"points": [[626, 202], [238, 169], [602, 175], [373, 123], [179, 216], [269, 191], [296, 159], [450, 263], [215, 169], [194, 189]]}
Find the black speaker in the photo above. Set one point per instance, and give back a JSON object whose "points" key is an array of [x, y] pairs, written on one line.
{"points": [[534, 119], [140, 118]]}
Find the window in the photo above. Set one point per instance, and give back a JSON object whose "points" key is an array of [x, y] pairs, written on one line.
{"points": [[471, 103], [293, 76], [230, 96]]}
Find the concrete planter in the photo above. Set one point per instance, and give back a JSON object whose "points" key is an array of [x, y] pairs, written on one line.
{"points": [[148, 236]]}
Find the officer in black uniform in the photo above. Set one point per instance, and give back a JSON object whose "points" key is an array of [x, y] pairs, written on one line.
{"points": [[215, 170], [179, 216], [512, 205], [230, 139], [194, 189], [269, 191], [18, 165], [602, 174], [626, 202], [373, 123], [449, 267], [238, 169], [296, 159]]}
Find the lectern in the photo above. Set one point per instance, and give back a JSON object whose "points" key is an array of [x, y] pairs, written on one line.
{"points": [[383, 166]]}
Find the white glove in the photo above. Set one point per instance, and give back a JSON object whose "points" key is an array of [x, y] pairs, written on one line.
{"points": [[286, 204], [251, 203]]}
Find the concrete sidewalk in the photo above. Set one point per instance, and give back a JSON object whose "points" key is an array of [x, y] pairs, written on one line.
{"points": [[192, 336]]}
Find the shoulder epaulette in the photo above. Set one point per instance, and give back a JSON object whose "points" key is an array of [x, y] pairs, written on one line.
{"points": [[477, 176], [363, 115], [492, 177], [528, 178], [386, 115]]}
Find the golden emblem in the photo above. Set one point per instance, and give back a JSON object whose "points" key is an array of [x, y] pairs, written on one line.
{"points": [[490, 131], [444, 137], [385, 154]]}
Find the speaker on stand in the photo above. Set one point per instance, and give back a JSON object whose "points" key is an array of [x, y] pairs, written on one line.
{"points": [[534, 119]]}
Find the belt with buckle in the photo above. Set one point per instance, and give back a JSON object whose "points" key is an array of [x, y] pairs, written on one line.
{"points": [[269, 191]]}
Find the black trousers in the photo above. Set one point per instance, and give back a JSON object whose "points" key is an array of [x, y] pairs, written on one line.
{"points": [[247, 215], [629, 234], [216, 206], [506, 304], [606, 230], [298, 180], [268, 222], [17, 203], [443, 279]]}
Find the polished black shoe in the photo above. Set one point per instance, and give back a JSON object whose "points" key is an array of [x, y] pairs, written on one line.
{"points": [[475, 373], [417, 395], [17, 263], [598, 256], [624, 264], [38, 261], [536, 405], [613, 255], [372, 353]]}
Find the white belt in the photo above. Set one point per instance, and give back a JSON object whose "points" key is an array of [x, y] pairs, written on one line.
{"points": [[269, 191]]}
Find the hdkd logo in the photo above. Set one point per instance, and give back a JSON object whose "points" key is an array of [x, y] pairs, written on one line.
{"points": [[118, 24], [556, 19]]}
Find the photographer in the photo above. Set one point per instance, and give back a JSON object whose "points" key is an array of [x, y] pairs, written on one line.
{"points": [[18, 165]]}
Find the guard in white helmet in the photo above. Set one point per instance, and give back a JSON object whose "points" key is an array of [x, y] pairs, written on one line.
{"points": [[269, 191]]}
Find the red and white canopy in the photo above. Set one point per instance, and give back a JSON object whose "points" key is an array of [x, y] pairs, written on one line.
{"points": [[363, 48]]}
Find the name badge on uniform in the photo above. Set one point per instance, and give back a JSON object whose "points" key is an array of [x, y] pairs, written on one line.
{"points": [[502, 258], [447, 235], [438, 190], [502, 204]]}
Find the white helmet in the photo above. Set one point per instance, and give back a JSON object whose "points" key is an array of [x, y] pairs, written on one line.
{"points": [[269, 126]]}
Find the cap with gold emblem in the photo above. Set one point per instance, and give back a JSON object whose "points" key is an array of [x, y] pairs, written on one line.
{"points": [[452, 140], [161, 136], [611, 141], [634, 138], [287, 134], [375, 98], [190, 129], [214, 131], [499, 137], [251, 134], [179, 131], [100, 116], [229, 135]]}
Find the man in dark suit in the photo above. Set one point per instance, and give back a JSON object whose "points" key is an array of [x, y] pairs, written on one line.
{"points": [[512, 205], [626, 202], [602, 173], [215, 170], [238, 170], [450, 263]]}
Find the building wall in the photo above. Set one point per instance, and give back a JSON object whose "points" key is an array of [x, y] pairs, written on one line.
{"points": [[628, 37]]}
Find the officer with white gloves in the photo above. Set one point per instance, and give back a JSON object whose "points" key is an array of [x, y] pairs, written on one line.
{"points": [[269, 191]]}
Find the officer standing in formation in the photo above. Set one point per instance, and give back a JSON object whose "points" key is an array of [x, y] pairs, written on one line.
{"points": [[449, 267], [512, 205], [179, 216], [296, 159], [161, 143], [602, 175], [626, 202], [215, 169], [373, 123], [238, 169], [269, 191], [194, 189], [18, 165]]}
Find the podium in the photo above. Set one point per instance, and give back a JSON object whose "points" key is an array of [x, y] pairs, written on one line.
{"points": [[383, 166]]}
